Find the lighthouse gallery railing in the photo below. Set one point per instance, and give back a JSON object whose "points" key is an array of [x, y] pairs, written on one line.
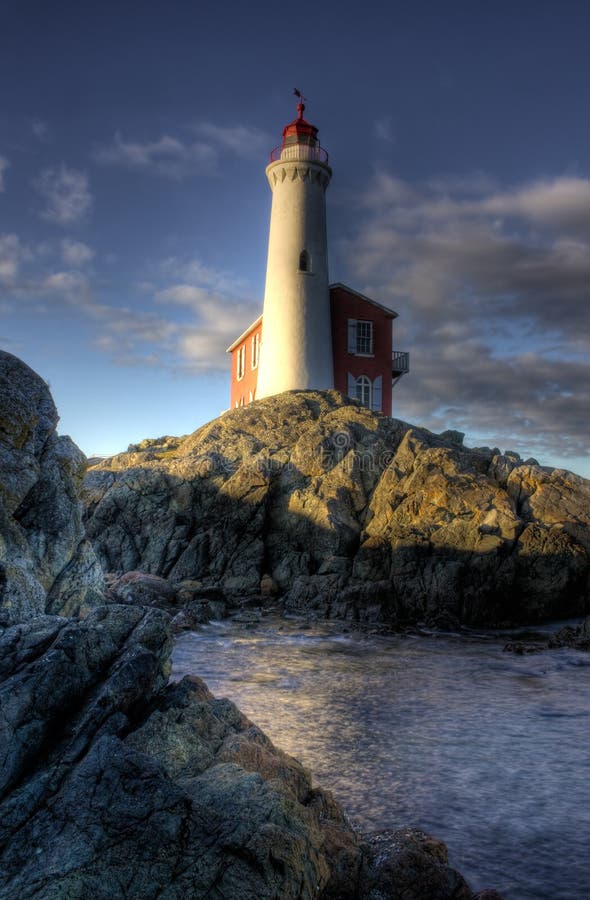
{"points": [[299, 151]]}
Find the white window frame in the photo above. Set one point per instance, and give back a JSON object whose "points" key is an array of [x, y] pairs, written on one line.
{"points": [[364, 341], [241, 362], [364, 390], [255, 350]]}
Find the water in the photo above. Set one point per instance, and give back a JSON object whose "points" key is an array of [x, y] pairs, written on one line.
{"points": [[484, 749]]}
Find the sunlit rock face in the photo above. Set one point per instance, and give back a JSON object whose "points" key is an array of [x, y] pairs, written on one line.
{"points": [[46, 562], [350, 514]]}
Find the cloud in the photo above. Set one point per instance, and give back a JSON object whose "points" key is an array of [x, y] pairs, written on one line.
{"points": [[66, 284], [194, 272], [240, 140], [40, 130], [164, 323], [493, 291], [383, 129], [4, 164], [167, 156], [129, 336], [220, 309], [66, 194], [75, 253], [177, 158], [11, 254]]}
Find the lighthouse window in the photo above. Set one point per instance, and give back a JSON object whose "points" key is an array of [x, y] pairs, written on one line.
{"points": [[364, 337], [363, 390], [255, 350], [304, 261], [241, 362]]}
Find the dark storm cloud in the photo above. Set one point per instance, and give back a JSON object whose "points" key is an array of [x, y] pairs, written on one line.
{"points": [[493, 288]]}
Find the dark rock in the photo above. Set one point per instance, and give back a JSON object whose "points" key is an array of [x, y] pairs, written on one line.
{"points": [[345, 513], [521, 648], [46, 562], [577, 636], [198, 613], [408, 864], [143, 589], [455, 437], [115, 784]]}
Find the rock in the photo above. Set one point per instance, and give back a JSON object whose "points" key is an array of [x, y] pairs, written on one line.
{"points": [[248, 617], [117, 784], [455, 437], [268, 586], [197, 613], [520, 648], [349, 514], [577, 636], [143, 589], [408, 864], [46, 562]]}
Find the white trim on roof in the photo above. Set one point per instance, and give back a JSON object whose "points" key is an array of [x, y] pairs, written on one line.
{"points": [[338, 284], [244, 334]]}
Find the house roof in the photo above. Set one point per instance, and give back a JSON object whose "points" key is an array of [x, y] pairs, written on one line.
{"points": [[349, 290], [244, 334], [338, 284]]}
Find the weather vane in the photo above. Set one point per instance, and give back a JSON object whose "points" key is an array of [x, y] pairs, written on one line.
{"points": [[301, 104]]}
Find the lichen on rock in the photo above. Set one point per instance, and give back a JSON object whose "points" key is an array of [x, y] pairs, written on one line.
{"points": [[347, 513], [46, 562]]}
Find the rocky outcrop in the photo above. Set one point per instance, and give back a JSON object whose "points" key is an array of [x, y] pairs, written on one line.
{"points": [[576, 636], [116, 785], [347, 513], [46, 562]]}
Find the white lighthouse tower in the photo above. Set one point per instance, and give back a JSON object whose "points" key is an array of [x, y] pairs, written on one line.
{"points": [[296, 348]]}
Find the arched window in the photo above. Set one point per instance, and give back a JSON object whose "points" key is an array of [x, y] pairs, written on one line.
{"points": [[363, 390], [304, 261]]}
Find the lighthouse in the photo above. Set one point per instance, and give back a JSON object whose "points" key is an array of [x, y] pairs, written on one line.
{"points": [[296, 339], [311, 335]]}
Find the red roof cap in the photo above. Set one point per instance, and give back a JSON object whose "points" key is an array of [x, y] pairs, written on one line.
{"points": [[300, 131]]}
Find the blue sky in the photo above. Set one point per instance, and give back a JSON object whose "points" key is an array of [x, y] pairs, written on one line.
{"points": [[134, 207]]}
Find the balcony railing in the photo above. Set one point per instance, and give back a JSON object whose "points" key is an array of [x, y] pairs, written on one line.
{"points": [[400, 363], [299, 151]]}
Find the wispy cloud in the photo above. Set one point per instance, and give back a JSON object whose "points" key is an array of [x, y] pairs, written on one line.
{"points": [[220, 308], [4, 164], [76, 253], [66, 194], [493, 290], [40, 130], [383, 129], [9, 256], [176, 325], [240, 140], [179, 157], [194, 272], [166, 156]]}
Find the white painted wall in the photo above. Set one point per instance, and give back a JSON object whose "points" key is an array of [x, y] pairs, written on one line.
{"points": [[296, 349]]}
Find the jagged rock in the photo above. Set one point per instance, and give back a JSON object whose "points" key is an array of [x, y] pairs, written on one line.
{"points": [[350, 514], [408, 864], [197, 613], [46, 562], [116, 785], [143, 589], [577, 636]]}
